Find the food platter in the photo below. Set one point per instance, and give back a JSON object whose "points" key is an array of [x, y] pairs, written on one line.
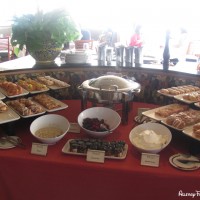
{"points": [[66, 150], [52, 83], [167, 95], [189, 132], [30, 115], [152, 113], [56, 87], [61, 105], [39, 91], [180, 98], [2, 96], [166, 124], [24, 92], [197, 104], [8, 116]]}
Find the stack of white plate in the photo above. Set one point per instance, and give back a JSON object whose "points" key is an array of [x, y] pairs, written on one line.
{"points": [[77, 56]]}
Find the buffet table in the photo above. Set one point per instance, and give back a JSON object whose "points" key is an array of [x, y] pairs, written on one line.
{"points": [[58, 176]]}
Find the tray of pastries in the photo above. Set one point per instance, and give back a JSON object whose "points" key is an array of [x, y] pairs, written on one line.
{"points": [[162, 112], [193, 131], [26, 107], [197, 104], [173, 91], [2, 96], [12, 90], [113, 149], [32, 86], [182, 120], [52, 83], [49, 103], [191, 97], [7, 114]]}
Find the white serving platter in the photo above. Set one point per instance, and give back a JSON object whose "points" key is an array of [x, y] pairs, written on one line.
{"points": [[66, 150], [24, 92], [27, 116], [189, 132], [151, 113], [2, 96], [8, 116], [56, 87], [180, 98], [62, 105], [167, 95], [197, 104], [164, 122]]}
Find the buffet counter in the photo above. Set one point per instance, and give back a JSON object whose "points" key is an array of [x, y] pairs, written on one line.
{"points": [[151, 77], [24, 176]]}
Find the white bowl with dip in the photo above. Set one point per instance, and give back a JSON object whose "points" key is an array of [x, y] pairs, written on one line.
{"points": [[49, 128], [150, 137]]}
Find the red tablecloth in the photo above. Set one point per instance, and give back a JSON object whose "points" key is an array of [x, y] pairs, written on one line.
{"points": [[57, 176]]}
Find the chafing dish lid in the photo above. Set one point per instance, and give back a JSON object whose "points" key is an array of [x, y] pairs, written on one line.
{"points": [[111, 82]]}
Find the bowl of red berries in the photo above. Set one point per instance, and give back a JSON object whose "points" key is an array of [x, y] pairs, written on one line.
{"points": [[99, 121]]}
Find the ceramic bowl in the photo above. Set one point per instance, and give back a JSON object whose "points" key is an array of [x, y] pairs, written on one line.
{"points": [[150, 137], [50, 121], [110, 117]]}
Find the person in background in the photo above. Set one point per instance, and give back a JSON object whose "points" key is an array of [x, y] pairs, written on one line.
{"points": [[86, 35], [178, 46], [106, 37], [136, 39]]}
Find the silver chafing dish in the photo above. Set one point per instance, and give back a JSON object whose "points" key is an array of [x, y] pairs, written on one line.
{"points": [[109, 90]]}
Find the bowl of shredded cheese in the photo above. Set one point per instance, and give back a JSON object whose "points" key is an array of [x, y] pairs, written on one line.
{"points": [[49, 128], [150, 137]]}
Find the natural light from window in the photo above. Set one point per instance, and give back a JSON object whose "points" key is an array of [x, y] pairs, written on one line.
{"points": [[155, 15]]}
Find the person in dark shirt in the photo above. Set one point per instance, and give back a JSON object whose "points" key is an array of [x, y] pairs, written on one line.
{"points": [[86, 35]]}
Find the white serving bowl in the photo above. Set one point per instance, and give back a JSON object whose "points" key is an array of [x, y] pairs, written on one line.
{"points": [[50, 120], [150, 137], [111, 117]]}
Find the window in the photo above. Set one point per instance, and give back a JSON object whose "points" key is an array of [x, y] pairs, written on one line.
{"points": [[155, 15]]}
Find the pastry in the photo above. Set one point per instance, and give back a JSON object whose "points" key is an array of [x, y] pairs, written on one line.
{"points": [[3, 107]]}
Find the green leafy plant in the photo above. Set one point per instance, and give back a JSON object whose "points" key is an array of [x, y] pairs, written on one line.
{"points": [[55, 26]]}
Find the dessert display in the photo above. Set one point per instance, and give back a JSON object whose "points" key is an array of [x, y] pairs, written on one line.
{"points": [[50, 81], [172, 91], [46, 101], [182, 119], [32, 85], [171, 109], [25, 107], [11, 89], [115, 149], [3, 107]]}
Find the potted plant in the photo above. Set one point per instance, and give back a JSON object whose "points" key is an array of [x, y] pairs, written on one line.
{"points": [[44, 34]]}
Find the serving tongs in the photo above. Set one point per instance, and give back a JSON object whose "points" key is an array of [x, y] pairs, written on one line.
{"points": [[186, 161], [186, 158], [15, 141]]}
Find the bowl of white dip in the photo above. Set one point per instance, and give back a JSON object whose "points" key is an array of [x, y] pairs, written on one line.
{"points": [[150, 137]]}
